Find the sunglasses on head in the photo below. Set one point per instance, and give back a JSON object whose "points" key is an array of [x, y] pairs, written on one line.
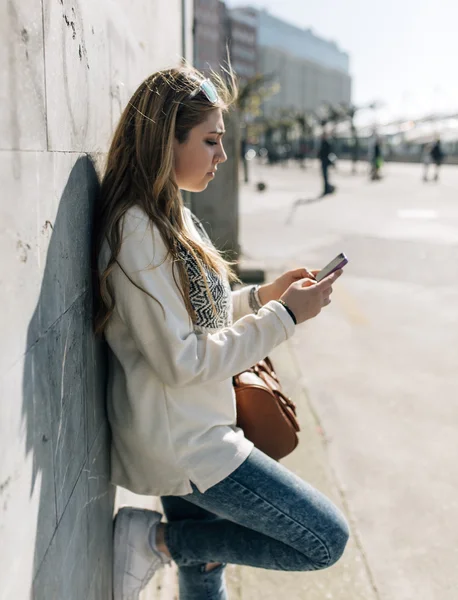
{"points": [[208, 89]]}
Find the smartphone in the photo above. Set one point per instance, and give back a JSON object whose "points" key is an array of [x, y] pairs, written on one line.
{"points": [[337, 263]]}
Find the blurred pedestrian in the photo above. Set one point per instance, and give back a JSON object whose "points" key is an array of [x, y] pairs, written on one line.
{"points": [[426, 159], [375, 158], [324, 154], [354, 155], [437, 157], [302, 153]]}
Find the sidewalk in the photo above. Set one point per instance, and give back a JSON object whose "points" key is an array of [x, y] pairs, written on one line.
{"points": [[350, 578]]}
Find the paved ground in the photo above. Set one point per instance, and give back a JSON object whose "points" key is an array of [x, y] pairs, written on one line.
{"points": [[380, 368]]}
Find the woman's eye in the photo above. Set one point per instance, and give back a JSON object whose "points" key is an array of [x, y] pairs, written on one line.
{"points": [[210, 143]]}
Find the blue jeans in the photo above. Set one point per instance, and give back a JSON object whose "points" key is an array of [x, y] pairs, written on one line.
{"points": [[261, 515]]}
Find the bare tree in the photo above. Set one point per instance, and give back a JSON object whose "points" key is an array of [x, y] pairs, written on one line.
{"points": [[305, 121], [252, 94]]}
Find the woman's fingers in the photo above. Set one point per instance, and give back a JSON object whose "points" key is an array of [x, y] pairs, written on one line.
{"points": [[337, 274], [330, 279], [301, 273], [308, 282], [325, 285], [326, 296]]}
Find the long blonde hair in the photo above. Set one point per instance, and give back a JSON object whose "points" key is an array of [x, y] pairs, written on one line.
{"points": [[139, 171]]}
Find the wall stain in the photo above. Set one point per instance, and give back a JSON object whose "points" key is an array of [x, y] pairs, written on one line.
{"points": [[12, 78], [23, 250], [75, 23], [28, 70], [46, 226], [5, 484]]}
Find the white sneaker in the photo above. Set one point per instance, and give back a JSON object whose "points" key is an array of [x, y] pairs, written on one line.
{"points": [[134, 561]]}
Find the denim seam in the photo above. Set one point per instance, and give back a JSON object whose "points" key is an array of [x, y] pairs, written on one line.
{"points": [[323, 545]]}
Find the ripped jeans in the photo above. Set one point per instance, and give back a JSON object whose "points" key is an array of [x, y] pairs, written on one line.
{"points": [[261, 515]]}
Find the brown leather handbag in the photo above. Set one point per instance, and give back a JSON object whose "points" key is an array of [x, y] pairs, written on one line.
{"points": [[266, 415]]}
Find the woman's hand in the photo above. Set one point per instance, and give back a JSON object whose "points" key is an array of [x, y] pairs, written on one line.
{"points": [[306, 298], [275, 290]]}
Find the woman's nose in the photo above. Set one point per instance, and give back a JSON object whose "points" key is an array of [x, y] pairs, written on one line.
{"points": [[222, 156]]}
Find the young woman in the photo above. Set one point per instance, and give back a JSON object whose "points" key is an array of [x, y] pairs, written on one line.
{"points": [[177, 336]]}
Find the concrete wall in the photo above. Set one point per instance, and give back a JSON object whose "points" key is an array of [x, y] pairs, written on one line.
{"points": [[67, 69]]}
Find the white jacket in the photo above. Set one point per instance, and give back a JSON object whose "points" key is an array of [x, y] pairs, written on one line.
{"points": [[171, 404]]}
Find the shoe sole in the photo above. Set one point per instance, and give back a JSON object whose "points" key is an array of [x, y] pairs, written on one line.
{"points": [[120, 548]]}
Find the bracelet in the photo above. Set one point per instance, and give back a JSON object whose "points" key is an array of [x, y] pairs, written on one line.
{"points": [[253, 299], [256, 295], [290, 312]]}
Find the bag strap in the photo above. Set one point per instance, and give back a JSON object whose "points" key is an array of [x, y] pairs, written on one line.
{"points": [[285, 400], [265, 366], [260, 370]]}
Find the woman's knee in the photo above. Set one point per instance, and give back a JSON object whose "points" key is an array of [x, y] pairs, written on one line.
{"points": [[335, 541], [322, 549]]}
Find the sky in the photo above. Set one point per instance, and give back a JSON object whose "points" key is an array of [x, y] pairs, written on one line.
{"points": [[403, 53]]}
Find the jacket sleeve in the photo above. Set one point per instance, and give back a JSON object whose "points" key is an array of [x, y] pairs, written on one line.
{"points": [[165, 336], [240, 302]]}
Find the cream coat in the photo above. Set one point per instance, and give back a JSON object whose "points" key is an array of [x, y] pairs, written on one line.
{"points": [[171, 404]]}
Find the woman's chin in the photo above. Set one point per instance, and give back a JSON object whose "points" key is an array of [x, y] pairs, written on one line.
{"points": [[201, 187], [198, 187]]}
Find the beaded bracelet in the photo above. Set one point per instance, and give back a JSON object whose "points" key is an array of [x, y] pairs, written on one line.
{"points": [[256, 295], [253, 299]]}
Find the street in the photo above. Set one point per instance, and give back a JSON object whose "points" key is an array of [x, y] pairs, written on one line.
{"points": [[380, 364]]}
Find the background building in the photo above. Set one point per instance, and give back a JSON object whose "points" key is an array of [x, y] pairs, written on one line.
{"points": [[301, 43], [209, 36], [243, 42], [311, 71], [217, 29]]}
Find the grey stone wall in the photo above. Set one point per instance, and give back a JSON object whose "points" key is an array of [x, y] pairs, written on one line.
{"points": [[67, 69]]}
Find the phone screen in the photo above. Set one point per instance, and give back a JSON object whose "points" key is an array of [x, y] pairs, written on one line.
{"points": [[337, 263]]}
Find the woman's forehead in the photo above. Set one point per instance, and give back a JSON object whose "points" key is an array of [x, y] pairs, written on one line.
{"points": [[214, 122]]}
